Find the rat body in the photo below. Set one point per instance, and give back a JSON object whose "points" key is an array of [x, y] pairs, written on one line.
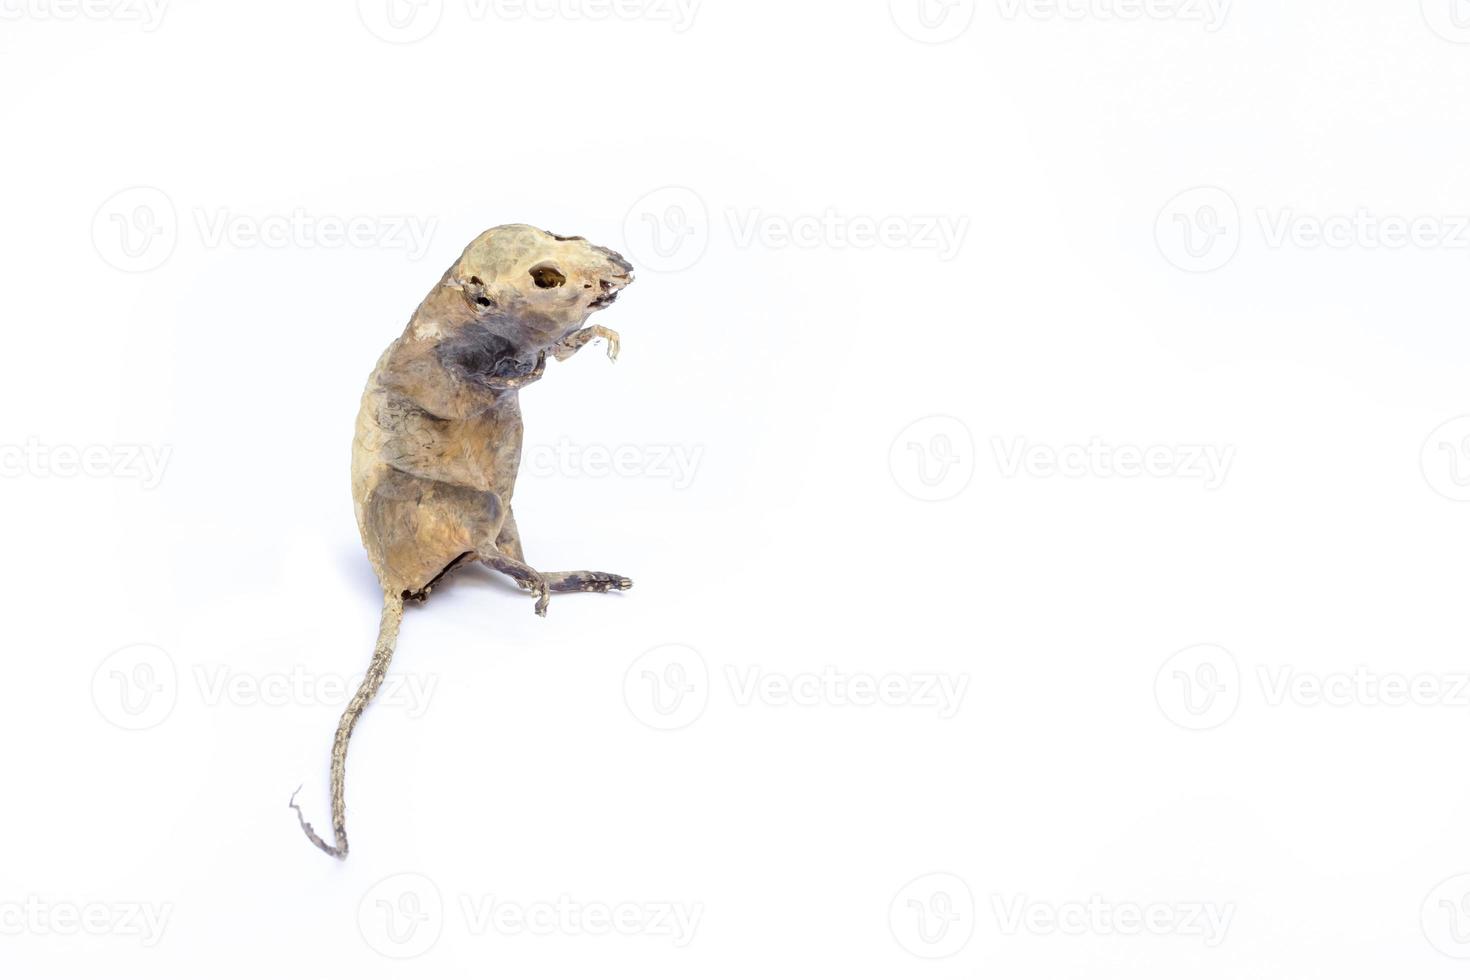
{"points": [[438, 441]]}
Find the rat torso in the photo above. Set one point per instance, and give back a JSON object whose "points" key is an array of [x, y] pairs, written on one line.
{"points": [[432, 482]]}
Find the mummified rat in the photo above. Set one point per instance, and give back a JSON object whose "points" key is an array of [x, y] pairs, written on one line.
{"points": [[439, 434]]}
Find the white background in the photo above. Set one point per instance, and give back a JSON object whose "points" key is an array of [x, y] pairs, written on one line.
{"points": [[1183, 227]]}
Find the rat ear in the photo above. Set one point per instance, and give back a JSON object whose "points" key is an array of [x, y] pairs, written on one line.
{"points": [[476, 293]]}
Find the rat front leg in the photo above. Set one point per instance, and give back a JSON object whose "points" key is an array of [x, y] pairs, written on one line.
{"points": [[585, 336]]}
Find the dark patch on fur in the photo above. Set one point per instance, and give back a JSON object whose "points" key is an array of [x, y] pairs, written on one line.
{"points": [[482, 355]]}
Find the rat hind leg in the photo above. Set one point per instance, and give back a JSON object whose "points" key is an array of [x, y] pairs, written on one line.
{"points": [[420, 530], [542, 584], [524, 575], [508, 544], [417, 530]]}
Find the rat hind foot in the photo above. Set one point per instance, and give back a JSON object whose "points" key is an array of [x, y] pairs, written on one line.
{"points": [[587, 582]]}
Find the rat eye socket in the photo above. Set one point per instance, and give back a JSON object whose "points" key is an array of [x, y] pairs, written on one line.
{"points": [[547, 277]]}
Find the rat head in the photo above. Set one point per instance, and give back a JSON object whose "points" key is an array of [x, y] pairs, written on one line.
{"points": [[533, 287]]}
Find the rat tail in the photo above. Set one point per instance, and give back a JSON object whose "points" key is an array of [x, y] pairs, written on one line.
{"points": [[382, 655]]}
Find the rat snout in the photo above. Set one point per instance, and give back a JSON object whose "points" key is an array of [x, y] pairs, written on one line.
{"points": [[614, 273], [615, 263]]}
